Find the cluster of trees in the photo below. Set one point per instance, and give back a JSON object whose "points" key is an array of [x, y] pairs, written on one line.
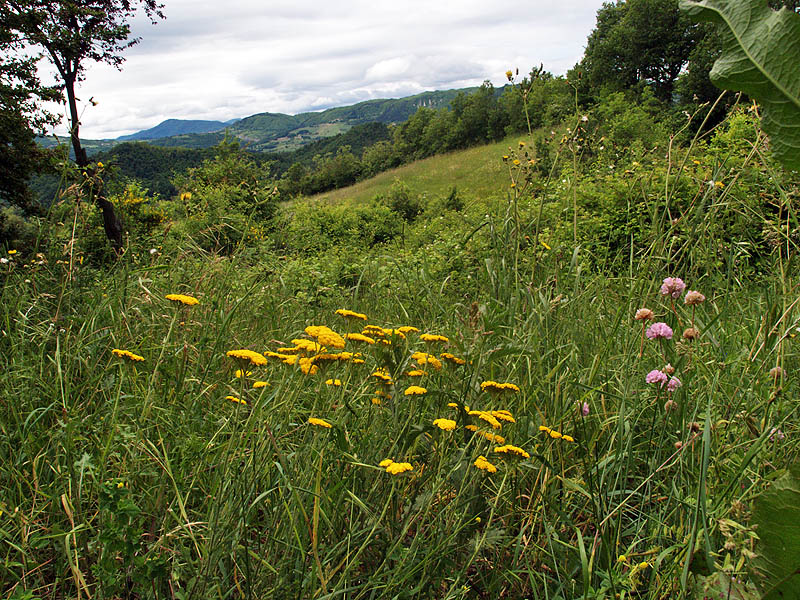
{"points": [[636, 46], [483, 116]]}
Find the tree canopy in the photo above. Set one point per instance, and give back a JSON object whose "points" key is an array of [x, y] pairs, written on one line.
{"points": [[72, 34]]}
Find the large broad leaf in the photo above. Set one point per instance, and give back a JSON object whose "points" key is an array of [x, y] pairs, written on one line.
{"points": [[760, 57], [776, 514]]}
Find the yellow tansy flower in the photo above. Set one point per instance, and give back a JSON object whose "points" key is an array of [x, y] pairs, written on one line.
{"points": [[319, 422], [351, 314], [182, 299], [235, 399], [445, 424], [127, 354], [415, 390], [485, 465], [512, 450], [254, 357], [432, 337], [396, 468]]}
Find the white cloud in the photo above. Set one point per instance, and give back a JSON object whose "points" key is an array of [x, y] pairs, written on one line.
{"points": [[220, 60]]}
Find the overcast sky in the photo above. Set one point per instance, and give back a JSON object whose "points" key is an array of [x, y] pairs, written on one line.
{"points": [[220, 60]]}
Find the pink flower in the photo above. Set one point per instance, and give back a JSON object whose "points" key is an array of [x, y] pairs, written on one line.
{"points": [[673, 286], [656, 376], [583, 409], [674, 384], [659, 330]]}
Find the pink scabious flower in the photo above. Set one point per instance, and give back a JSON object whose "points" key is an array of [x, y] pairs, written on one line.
{"points": [[659, 330], [656, 376], [673, 286], [674, 384]]}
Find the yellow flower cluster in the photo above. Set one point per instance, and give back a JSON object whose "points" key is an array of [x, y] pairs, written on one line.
{"points": [[182, 299], [445, 424], [127, 354], [359, 337], [319, 422], [334, 382], [395, 468], [423, 358], [512, 451], [248, 355], [485, 465], [493, 386], [452, 358], [415, 390], [349, 314], [556, 435], [236, 400], [325, 336], [486, 416], [407, 329], [432, 337]]}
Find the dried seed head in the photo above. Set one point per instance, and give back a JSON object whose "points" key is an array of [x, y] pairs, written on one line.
{"points": [[691, 334]]}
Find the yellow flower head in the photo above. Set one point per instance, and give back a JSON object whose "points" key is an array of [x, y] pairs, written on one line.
{"points": [[432, 337], [407, 329], [503, 415], [359, 337], [510, 450], [385, 462], [240, 373], [416, 373], [397, 468], [236, 400], [325, 336], [493, 386], [349, 314], [445, 424], [12, 252], [453, 359], [486, 416], [495, 439], [333, 382], [485, 465], [415, 390], [423, 358], [307, 366], [127, 354], [182, 299], [260, 384], [307, 346], [383, 375], [248, 355], [319, 422]]}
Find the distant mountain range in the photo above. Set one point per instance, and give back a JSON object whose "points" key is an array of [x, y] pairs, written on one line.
{"points": [[276, 132], [172, 127]]}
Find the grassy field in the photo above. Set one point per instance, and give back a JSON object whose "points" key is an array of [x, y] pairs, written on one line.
{"points": [[505, 426], [478, 173]]}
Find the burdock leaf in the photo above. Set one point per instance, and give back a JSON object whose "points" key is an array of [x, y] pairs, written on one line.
{"points": [[760, 57], [776, 515]]}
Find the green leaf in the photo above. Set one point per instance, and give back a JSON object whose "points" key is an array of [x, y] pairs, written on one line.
{"points": [[760, 57], [776, 514]]}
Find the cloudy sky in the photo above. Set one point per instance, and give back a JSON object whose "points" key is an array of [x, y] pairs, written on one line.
{"points": [[221, 60]]}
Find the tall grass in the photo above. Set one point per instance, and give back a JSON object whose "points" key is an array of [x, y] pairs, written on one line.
{"points": [[144, 480]]}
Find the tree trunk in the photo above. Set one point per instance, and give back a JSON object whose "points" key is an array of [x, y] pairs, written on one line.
{"points": [[111, 223]]}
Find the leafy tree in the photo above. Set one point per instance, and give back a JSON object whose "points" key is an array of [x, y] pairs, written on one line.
{"points": [[20, 94], [639, 41], [71, 34]]}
